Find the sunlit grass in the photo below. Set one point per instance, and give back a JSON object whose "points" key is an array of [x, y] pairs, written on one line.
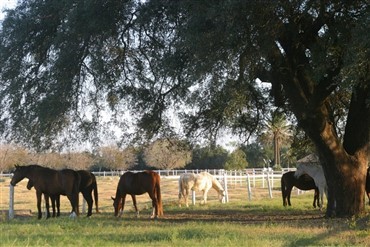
{"points": [[260, 222]]}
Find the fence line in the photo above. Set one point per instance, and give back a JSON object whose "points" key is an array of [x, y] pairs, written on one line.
{"points": [[249, 177]]}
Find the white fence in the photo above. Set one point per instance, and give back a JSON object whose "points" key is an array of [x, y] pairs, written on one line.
{"points": [[266, 178]]}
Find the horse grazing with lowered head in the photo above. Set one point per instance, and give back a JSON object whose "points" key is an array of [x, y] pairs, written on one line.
{"points": [[87, 186], [138, 184], [204, 182], [50, 182], [317, 173], [186, 182], [304, 182]]}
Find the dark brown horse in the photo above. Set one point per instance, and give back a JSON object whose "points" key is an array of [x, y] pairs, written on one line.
{"points": [[138, 184], [87, 186], [50, 182], [304, 182], [367, 187]]}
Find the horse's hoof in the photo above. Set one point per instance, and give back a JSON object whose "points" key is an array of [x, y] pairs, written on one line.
{"points": [[73, 215]]}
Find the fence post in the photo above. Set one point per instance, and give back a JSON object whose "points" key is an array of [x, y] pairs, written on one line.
{"points": [[268, 185], [249, 187], [193, 197], [254, 178], [225, 187], [11, 201]]}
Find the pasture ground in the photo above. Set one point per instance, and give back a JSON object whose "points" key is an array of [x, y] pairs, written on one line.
{"points": [[259, 222]]}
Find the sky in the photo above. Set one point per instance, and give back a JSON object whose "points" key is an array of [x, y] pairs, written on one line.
{"points": [[6, 4], [227, 140]]}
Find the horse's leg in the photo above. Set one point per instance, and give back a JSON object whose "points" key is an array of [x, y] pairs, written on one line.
{"points": [[316, 198], [38, 197], [287, 195], [88, 197], [53, 199], [154, 205], [186, 197], [57, 200], [47, 205], [135, 205], [123, 199], [205, 192]]}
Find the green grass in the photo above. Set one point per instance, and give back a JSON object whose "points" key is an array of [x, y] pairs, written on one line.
{"points": [[257, 223]]}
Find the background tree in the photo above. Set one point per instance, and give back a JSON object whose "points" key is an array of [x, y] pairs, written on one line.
{"points": [[113, 158], [167, 154], [236, 160], [76, 58], [11, 155], [278, 132], [208, 157]]}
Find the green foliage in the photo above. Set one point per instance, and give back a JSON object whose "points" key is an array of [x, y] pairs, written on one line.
{"points": [[209, 157], [236, 160]]}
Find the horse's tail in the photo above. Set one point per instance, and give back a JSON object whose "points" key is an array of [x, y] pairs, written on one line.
{"points": [[159, 197], [95, 188]]}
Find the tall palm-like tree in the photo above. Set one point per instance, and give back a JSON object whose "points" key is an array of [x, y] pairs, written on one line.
{"points": [[277, 130]]}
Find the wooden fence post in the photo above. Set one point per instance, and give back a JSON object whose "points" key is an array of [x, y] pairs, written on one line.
{"points": [[193, 197], [269, 185], [11, 201], [225, 188], [249, 187]]}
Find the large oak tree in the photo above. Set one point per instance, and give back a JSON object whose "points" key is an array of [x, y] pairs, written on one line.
{"points": [[63, 62]]}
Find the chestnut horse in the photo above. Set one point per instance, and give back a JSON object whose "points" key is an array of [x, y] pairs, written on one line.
{"points": [[50, 182], [304, 182], [138, 184], [87, 186]]}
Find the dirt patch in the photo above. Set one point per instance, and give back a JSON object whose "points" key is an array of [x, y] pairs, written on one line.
{"points": [[242, 217]]}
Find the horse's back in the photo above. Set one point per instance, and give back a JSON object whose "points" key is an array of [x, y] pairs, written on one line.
{"points": [[203, 180], [87, 179], [138, 183]]}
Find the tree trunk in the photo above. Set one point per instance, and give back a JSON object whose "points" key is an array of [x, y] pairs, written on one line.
{"points": [[345, 174]]}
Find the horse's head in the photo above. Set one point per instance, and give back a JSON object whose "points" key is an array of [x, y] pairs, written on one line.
{"points": [[221, 196], [29, 184], [117, 204], [19, 174]]}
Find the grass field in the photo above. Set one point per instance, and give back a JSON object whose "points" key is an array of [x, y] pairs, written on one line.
{"points": [[260, 222]]}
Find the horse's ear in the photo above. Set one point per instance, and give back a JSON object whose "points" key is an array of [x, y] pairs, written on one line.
{"points": [[16, 166], [113, 198]]}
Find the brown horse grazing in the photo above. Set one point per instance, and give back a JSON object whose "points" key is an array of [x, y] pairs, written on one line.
{"points": [[87, 186], [50, 182], [367, 186], [304, 182], [138, 184]]}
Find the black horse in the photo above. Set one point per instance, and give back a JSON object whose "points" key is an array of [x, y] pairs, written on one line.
{"points": [[138, 184], [304, 182], [50, 182], [87, 186]]}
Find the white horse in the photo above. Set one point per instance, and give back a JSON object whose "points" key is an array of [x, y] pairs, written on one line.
{"points": [[317, 173], [186, 182], [204, 182]]}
